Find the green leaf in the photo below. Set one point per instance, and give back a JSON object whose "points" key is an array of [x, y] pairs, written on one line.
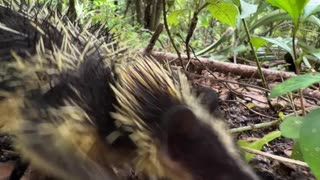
{"points": [[258, 144], [173, 17], [295, 83], [225, 12], [290, 127], [296, 152], [247, 9], [258, 42], [316, 53], [312, 7], [310, 141], [293, 7], [313, 19], [283, 43]]}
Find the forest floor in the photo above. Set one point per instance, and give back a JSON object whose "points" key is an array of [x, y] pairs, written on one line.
{"points": [[242, 106], [247, 106]]}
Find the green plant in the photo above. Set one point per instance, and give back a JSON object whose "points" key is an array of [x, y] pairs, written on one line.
{"points": [[304, 130]]}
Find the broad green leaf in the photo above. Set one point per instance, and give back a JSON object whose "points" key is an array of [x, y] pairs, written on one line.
{"points": [[314, 19], [293, 7], [238, 49], [312, 7], [258, 42], [295, 83], [315, 53], [310, 141], [258, 144], [296, 152], [225, 12], [290, 127], [173, 17], [224, 38], [283, 43], [247, 9], [270, 17]]}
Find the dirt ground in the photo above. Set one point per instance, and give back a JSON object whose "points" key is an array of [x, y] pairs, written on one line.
{"points": [[246, 106]]}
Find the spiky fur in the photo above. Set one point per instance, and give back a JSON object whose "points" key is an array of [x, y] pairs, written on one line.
{"points": [[145, 92], [32, 29], [55, 134], [76, 111], [51, 125]]}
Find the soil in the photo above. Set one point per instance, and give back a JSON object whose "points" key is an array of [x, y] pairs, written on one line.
{"points": [[251, 109]]}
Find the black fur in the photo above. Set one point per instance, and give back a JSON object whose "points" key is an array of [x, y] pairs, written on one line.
{"points": [[209, 98], [19, 169], [91, 81], [193, 144]]}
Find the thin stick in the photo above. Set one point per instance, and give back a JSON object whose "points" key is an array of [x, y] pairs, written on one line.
{"points": [[266, 124], [169, 34], [256, 126], [275, 157]]}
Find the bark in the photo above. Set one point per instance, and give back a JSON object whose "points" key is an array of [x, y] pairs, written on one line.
{"points": [[148, 13], [156, 13], [236, 69], [226, 67], [139, 11]]}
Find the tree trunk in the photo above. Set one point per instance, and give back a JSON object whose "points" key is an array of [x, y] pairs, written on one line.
{"points": [[139, 11], [152, 14], [156, 14], [148, 13]]}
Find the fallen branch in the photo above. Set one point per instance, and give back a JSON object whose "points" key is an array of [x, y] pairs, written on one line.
{"points": [[266, 124], [275, 157], [226, 67], [256, 126]]}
